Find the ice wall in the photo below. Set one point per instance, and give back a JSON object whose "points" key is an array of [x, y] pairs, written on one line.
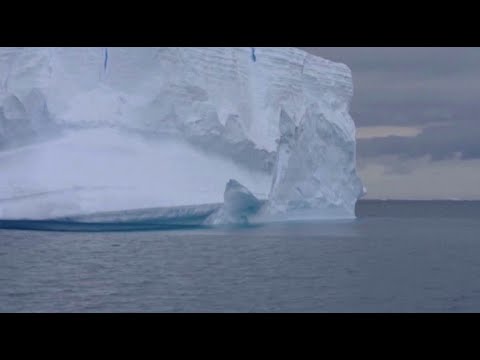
{"points": [[274, 119]]}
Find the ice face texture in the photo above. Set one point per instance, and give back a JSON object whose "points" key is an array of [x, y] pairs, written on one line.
{"points": [[91, 130], [238, 206]]}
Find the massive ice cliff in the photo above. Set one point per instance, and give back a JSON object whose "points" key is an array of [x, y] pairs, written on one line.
{"points": [[89, 131]]}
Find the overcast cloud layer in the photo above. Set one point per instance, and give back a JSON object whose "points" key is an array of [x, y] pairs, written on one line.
{"points": [[416, 113]]}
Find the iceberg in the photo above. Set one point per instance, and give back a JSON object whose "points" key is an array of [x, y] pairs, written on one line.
{"points": [[217, 135]]}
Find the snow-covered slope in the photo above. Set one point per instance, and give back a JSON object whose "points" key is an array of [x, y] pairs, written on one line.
{"points": [[86, 130]]}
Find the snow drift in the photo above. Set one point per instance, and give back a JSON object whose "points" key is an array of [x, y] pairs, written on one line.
{"points": [[86, 131]]}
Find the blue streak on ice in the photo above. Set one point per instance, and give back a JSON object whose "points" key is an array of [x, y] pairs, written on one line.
{"points": [[105, 63], [254, 57]]}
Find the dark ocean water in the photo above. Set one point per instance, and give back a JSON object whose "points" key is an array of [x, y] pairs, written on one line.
{"points": [[398, 256]]}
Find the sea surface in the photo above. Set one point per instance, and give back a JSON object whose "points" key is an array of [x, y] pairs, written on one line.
{"points": [[397, 256]]}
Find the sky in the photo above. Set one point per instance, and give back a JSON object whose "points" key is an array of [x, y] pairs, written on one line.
{"points": [[415, 109]]}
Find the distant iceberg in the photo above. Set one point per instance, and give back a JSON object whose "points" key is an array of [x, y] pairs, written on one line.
{"points": [[209, 135]]}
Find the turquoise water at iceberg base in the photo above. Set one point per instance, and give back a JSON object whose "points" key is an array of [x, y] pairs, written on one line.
{"points": [[397, 256]]}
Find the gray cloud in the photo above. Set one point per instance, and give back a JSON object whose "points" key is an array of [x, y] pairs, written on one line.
{"points": [[440, 142], [422, 179], [412, 87], [399, 86], [424, 62]]}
